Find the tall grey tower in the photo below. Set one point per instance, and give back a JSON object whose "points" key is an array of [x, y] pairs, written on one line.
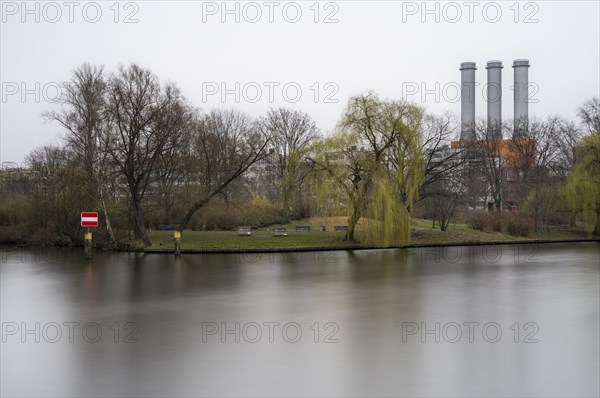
{"points": [[467, 101], [494, 98], [521, 83]]}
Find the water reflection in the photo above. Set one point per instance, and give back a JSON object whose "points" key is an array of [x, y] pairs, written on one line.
{"points": [[366, 300]]}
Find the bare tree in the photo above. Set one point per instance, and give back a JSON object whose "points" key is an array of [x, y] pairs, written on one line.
{"points": [[441, 159], [143, 119], [589, 114], [566, 141], [84, 104], [292, 133], [485, 157], [58, 199], [445, 196], [173, 167], [225, 143]]}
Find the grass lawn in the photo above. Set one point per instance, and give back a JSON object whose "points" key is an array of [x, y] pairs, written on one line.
{"points": [[263, 238], [260, 239]]}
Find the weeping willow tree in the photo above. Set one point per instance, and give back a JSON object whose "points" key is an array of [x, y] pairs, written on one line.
{"points": [[388, 220], [583, 184], [376, 160], [342, 177], [328, 182]]}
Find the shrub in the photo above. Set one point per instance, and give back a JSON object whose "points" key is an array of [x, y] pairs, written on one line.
{"points": [[261, 212], [478, 220], [132, 245], [494, 221], [42, 236], [518, 225], [481, 220]]}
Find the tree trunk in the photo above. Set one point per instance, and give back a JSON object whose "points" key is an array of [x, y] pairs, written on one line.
{"points": [[444, 223], [597, 227], [111, 234], [167, 205], [352, 221], [197, 206], [139, 229], [200, 204]]}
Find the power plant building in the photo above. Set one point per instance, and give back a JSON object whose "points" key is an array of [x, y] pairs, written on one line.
{"points": [[490, 142]]}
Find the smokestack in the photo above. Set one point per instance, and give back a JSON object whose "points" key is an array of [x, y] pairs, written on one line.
{"points": [[521, 127], [494, 98], [467, 101]]}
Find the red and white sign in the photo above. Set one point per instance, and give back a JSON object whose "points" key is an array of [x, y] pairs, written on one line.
{"points": [[89, 219]]}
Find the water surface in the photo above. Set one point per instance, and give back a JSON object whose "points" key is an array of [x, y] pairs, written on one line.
{"points": [[419, 322]]}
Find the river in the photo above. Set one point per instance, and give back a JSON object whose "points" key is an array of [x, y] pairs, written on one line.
{"points": [[514, 320]]}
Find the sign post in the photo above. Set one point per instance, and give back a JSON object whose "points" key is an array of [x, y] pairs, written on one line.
{"points": [[177, 239], [89, 220]]}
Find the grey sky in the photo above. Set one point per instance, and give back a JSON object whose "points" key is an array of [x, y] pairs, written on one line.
{"points": [[380, 46]]}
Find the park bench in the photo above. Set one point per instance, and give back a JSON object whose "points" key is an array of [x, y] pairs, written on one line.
{"points": [[340, 228], [162, 227], [244, 231], [303, 228], [278, 231]]}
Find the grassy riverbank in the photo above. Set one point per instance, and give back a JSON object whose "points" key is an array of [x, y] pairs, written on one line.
{"points": [[422, 234]]}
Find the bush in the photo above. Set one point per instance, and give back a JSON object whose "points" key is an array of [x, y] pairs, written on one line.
{"points": [[13, 235], [518, 225], [43, 236], [478, 220], [481, 220], [15, 225], [261, 212], [494, 221], [132, 245], [62, 240], [424, 209]]}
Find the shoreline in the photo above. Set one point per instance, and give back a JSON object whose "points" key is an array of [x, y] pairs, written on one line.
{"points": [[355, 248], [300, 249]]}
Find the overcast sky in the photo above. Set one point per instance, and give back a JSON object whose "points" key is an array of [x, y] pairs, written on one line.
{"points": [[285, 54]]}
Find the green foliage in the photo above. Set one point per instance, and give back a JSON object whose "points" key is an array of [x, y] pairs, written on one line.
{"points": [[14, 217], [58, 194], [389, 220], [541, 203], [376, 161], [583, 185], [261, 212]]}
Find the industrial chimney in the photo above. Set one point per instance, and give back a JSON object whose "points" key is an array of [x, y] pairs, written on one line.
{"points": [[521, 114], [467, 101], [494, 98]]}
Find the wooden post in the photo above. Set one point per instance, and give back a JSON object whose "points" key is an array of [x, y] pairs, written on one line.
{"points": [[88, 245], [177, 239]]}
